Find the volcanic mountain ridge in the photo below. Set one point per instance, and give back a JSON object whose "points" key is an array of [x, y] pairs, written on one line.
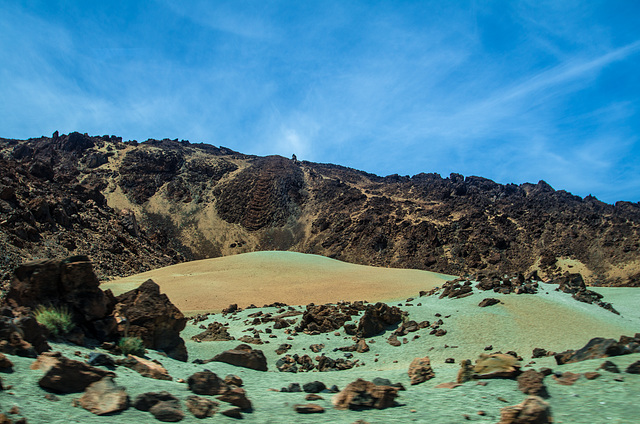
{"points": [[137, 206]]}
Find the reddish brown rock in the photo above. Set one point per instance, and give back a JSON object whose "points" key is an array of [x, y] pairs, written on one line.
{"points": [[201, 407], [207, 383], [22, 336], [466, 371], [420, 370], [567, 378], [362, 394], [533, 410], [152, 317], [104, 397], [5, 362], [448, 385], [233, 380], [591, 375], [531, 382], [65, 375], [243, 356], [490, 301], [214, 332], [145, 367], [236, 397]]}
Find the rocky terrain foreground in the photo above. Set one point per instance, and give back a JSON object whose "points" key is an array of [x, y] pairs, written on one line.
{"points": [[138, 206], [507, 350]]}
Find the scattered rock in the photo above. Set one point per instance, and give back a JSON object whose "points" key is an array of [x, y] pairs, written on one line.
{"points": [[5, 362], [232, 413], [207, 383], [314, 387], [531, 382], [243, 356], [600, 348], [167, 412], [214, 332], [104, 397], [609, 366], [496, 365], [362, 394], [634, 368], [101, 359], [237, 397], [201, 407], [65, 375], [466, 371], [490, 301], [233, 380], [591, 375], [449, 385], [145, 401], [533, 410], [567, 378], [420, 370], [309, 408], [313, 396], [145, 367]]}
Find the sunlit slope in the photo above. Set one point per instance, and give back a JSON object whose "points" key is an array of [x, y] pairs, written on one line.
{"points": [[266, 277]]}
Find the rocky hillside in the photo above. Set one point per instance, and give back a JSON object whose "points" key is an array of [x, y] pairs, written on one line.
{"points": [[134, 206]]}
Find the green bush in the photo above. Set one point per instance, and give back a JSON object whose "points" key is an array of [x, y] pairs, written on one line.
{"points": [[131, 345], [57, 320]]}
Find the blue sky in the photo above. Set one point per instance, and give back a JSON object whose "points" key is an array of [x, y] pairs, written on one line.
{"points": [[514, 91]]}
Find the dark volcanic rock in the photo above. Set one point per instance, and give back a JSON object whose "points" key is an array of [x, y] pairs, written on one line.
{"points": [[377, 318], [214, 332], [243, 356], [22, 336], [531, 382], [207, 383], [63, 375], [201, 407], [152, 317], [488, 302], [600, 348]]}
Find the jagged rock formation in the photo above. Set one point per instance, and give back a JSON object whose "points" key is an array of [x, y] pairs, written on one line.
{"points": [[134, 206]]}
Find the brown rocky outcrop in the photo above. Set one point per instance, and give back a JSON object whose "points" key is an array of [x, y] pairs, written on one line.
{"points": [[574, 285], [533, 410], [104, 398], [420, 370], [65, 375], [152, 317], [362, 394], [236, 396], [243, 356]]}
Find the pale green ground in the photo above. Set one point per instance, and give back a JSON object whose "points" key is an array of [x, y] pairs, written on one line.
{"points": [[550, 320], [518, 324]]}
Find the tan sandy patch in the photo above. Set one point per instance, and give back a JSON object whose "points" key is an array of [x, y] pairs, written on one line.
{"points": [[267, 277]]}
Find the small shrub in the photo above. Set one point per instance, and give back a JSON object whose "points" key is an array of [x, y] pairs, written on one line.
{"points": [[131, 345], [57, 320]]}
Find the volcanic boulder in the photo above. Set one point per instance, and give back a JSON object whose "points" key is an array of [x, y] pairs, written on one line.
{"points": [[152, 317], [377, 318], [243, 356]]}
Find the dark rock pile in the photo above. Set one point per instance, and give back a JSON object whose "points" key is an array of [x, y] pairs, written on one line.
{"points": [[574, 285]]}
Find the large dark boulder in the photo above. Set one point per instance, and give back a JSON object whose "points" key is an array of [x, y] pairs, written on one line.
{"points": [[243, 356], [600, 347], [152, 317], [377, 318], [64, 375], [69, 283], [22, 336]]}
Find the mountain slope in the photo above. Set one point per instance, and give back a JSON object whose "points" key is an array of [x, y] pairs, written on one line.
{"points": [[143, 205]]}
